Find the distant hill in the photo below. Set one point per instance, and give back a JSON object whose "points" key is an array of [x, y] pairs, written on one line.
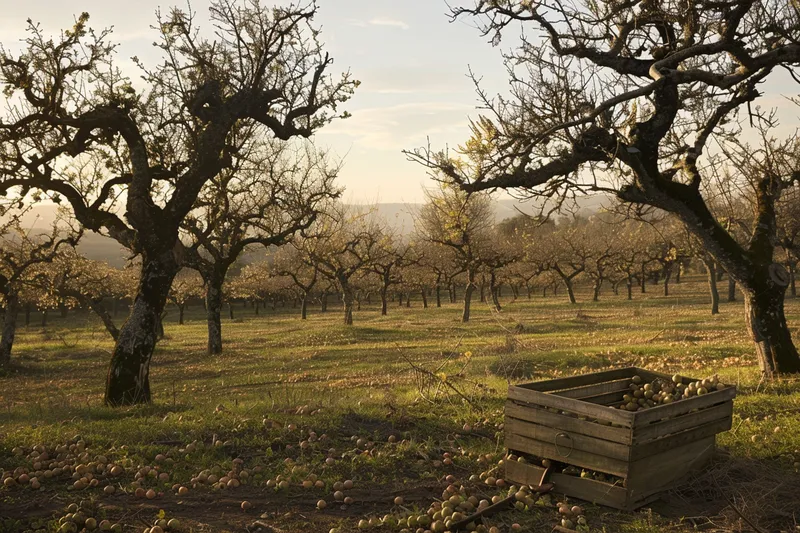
{"points": [[399, 216]]}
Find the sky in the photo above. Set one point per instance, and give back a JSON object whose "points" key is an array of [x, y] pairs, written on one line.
{"points": [[412, 62]]}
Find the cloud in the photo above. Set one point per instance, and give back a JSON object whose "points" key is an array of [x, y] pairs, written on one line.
{"points": [[389, 22]]}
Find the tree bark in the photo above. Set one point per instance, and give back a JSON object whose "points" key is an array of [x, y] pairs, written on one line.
{"points": [[424, 299], [711, 269], [128, 380], [408, 299], [347, 300], [629, 286], [230, 310], [324, 302], [181, 309], [100, 310], [667, 277], [438, 296], [10, 313], [303, 306], [495, 291], [731, 289], [468, 296], [766, 322], [596, 290], [793, 279], [214, 314], [384, 301]]}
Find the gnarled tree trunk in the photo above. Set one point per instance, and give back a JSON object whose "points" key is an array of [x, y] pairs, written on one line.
{"points": [[9, 326], [128, 380], [213, 314], [468, 296], [766, 322], [348, 298], [711, 269]]}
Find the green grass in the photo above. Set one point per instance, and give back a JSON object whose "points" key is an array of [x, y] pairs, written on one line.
{"points": [[361, 381]]}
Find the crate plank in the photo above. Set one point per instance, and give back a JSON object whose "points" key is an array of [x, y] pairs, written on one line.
{"points": [[661, 470], [576, 457], [577, 381], [588, 391], [683, 422], [572, 440], [567, 423], [576, 487], [676, 440], [607, 399], [599, 412], [648, 416]]}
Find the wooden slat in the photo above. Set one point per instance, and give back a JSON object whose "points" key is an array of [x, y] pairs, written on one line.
{"points": [[567, 423], [567, 440], [575, 457], [588, 391], [609, 398], [576, 487], [577, 381], [599, 412], [677, 440], [662, 470], [642, 418], [686, 421]]}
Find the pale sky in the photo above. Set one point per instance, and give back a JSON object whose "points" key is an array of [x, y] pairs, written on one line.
{"points": [[411, 60]]}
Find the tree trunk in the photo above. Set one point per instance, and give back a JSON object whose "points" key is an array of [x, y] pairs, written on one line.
{"points": [[44, 317], [27, 315], [9, 326], [408, 300], [347, 300], [424, 299], [678, 273], [181, 309], [629, 285], [731, 289], [303, 306], [62, 310], [495, 291], [99, 309], [793, 279], [384, 301], [570, 290], [596, 289], [230, 310], [766, 323], [711, 269], [667, 277], [400, 299], [128, 380], [324, 302], [438, 296], [483, 290], [257, 306], [214, 314], [467, 302], [643, 280]]}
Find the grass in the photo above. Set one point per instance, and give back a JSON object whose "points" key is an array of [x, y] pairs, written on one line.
{"points": [[358, 381]]}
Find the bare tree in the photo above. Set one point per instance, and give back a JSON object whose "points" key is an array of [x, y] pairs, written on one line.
{"points": [[341, 245], [271, 191], [21, 251], [462, 223], [154, 150], [638, 90]]}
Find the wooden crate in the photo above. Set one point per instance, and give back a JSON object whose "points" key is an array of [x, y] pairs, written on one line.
{"points": [[574, 421]]}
